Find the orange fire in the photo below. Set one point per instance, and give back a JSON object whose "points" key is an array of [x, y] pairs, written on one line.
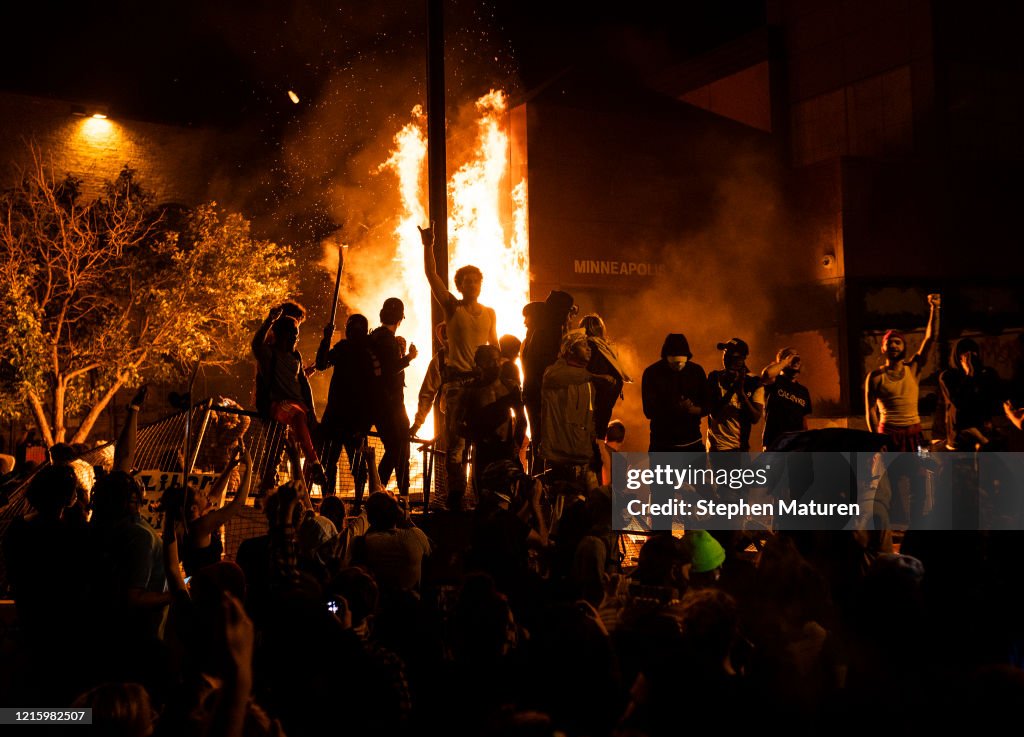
{"points": [[487, 227]]}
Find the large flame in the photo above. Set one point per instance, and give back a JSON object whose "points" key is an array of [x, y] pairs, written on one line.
{"points": [[487, 227]]}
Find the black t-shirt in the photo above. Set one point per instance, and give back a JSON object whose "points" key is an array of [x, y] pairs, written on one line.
{"points": [[356, 386], [786, 405]]}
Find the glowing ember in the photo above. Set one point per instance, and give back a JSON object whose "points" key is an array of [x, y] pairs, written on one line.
{"points": [[293, 97], [487, 228]]}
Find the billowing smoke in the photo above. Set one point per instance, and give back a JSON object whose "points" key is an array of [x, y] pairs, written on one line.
{"points": [[722, 281]]}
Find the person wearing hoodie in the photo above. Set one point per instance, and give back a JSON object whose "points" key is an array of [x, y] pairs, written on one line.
{"points": [[971, 391], [675, 398], [567, 427], [603, 360]]}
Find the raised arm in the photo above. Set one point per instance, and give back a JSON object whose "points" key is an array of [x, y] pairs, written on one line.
{"points": [[437, 286], [172, 563], [771, 372], [124, 449], [259, 347], [1014, 415], [323, 359], [221, 515], [931, 332]]}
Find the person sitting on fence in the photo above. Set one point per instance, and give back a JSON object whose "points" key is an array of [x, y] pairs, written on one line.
{"points": [[282, 390], [197, 515]]}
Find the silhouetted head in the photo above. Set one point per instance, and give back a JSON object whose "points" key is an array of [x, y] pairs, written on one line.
{"points": [[734, 354], [294, 310], [382, 511], [532, 314], [593, 326], [509, 346], [62, 454], [967, 349], [393, 311], [616, 432], [357, 326], [52, 489], [676, 351], [286, 334], [488, 359], [793, 368]]}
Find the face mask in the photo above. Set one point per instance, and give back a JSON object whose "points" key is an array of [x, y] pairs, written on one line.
{"points": [[676, 362]]}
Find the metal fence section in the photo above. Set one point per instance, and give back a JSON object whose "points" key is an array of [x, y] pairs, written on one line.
{"points": [[214, 431]]}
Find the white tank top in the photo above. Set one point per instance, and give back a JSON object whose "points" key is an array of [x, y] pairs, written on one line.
{"points": [[466, 333], [897, 398]]}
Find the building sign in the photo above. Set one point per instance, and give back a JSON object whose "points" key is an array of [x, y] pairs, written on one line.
{"points": [[617, 268]]}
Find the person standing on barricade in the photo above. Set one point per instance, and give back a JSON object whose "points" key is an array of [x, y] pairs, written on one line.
{"points": [[390, 417], [282, 389], [470, 325], [354, 392], [891, 406]]}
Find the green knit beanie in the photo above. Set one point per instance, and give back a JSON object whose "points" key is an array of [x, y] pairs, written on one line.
{"points": [[707, 553]]}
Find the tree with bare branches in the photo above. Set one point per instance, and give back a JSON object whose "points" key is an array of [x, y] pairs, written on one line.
{"points": [[100, 295]]}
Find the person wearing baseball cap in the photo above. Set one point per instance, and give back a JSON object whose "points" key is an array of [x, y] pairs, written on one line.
{"points": [[736, 398]]}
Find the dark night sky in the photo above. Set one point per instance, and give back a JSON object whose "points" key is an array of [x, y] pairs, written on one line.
{"points": [[231, 62]]}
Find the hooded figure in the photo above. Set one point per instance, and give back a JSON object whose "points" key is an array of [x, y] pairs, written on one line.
{"points": [[603, 360], [568, 405], [674, 397], [971, 392]]}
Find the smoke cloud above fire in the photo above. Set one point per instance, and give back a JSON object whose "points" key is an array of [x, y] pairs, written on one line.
{"points": [[727, 279]]}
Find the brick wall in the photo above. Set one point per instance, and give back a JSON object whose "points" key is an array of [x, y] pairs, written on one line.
{"points": [[176, 163]]}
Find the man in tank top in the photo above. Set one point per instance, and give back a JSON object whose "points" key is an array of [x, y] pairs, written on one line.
{"points": [[891, 391], [890, 399], [470, 325]]}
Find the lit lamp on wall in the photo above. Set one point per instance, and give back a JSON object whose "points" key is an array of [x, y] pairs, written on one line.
{"points": [[96, 112], [96, 126]]}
